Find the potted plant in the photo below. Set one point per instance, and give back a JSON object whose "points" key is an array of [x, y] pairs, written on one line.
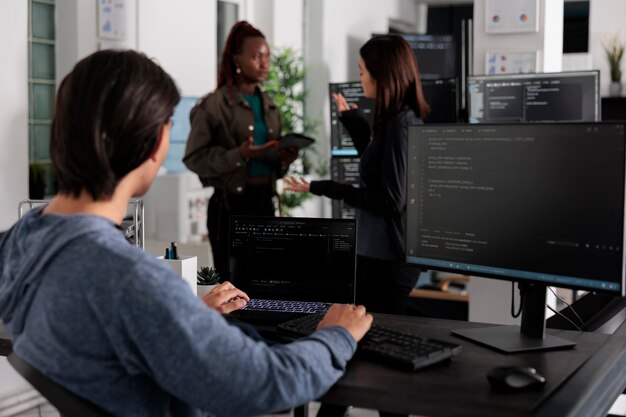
{"points": [[285, 84], [208, 278], [614, 52]]}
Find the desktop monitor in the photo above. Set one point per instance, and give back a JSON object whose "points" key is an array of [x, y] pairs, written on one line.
{"points": [[548, 97], [340, 140], [346, 171], [442, 97], [435, 55], [538, 204]]}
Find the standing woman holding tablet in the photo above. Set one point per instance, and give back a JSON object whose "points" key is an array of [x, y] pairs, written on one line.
{"points": [[232, 130]]}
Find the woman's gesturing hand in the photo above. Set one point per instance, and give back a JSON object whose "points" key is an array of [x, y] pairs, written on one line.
{"points": [[342, 104], [299, 185], [248, 150]]}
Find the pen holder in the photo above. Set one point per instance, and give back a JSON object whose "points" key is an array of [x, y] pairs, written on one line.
{"points": [[186, 267]]}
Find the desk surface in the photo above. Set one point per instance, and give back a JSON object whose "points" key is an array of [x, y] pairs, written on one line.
{"points": [[584, 381], [596, 369], [5, 342]]}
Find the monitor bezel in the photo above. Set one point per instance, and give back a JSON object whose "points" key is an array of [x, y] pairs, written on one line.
{"points": [[449, 38], [538, 75], [307, 220], [621, 292]]}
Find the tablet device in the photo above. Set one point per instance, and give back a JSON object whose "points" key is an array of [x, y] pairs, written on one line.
{"points": [[290, 140], [295, 140]]}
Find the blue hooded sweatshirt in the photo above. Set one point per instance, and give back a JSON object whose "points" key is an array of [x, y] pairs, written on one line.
{"points": [[116, 326]]}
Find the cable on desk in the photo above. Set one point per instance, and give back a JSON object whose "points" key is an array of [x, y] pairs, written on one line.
{"points": [[565, 317], [582, 323], [521, 301]]}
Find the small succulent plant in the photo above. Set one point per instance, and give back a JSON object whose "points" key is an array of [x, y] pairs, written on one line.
{"points": [[208, 276]]}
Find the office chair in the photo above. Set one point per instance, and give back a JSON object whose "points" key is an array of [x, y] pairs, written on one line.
{"points": [[67, 403], [133, 223]]}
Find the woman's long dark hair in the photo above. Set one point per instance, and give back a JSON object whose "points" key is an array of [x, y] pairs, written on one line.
{"points": [[240, 31], [391, 62]]}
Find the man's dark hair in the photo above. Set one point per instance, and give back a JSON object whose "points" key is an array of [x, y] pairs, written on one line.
{"points": [[108, 116], [391, 62]]}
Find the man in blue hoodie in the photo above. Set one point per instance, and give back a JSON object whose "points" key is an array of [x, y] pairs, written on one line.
{"points": [[113, 324]]}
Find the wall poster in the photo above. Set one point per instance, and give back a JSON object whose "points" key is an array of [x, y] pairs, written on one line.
{"points": [[511, 62], [112, 19], [511, 16]]}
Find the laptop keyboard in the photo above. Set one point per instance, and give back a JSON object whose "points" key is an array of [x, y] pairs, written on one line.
{"points": [[402, 349], [256, 304]]}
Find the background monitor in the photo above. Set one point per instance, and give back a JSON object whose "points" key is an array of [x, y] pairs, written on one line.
{"points": [[442, 97], [434, 54], [346, 171], [340, 140], [547, 97], [541, 204]]}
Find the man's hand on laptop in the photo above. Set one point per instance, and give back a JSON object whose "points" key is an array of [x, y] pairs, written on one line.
{"points": [[226, 298], [353, 318]]}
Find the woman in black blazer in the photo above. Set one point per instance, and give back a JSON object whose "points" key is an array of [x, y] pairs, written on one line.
{"points": [[388, 73]]}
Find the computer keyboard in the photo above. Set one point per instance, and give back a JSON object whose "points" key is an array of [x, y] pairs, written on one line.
{"points": [[398, 348], [286, 306]]}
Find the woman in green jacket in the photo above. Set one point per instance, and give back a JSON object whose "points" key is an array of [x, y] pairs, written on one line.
{"points": [[234, 134]]}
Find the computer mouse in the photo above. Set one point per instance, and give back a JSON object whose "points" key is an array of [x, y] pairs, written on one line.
{"points": [[515, 378]]}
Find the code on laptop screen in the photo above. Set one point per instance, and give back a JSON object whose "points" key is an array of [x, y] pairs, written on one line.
{"points": [[293, 258]]}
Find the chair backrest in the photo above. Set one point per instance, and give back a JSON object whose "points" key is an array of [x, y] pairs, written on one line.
{"points": [[133, 222], [67, 403]]}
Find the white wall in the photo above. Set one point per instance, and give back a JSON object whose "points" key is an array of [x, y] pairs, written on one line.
{"points": [[490, 300], [260, 13], [289, 32], [77, 32], [606, 17], [183, 39], [334, 32], [13, 109], [548, 40], [13, 134]]}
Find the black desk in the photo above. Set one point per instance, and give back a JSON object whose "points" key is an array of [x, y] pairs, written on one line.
{"points": [[584, 381], [5, 342]]}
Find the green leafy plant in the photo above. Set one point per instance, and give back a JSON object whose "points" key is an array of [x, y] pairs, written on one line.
{"points": [[208, 276], [614, 52], [285, 84]]}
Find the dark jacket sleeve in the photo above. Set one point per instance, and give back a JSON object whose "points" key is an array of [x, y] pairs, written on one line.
{"points": [[387, 193], [358, 128], [204, 154]]}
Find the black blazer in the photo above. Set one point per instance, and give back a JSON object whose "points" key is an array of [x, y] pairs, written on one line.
{"points": [[383, 170]]}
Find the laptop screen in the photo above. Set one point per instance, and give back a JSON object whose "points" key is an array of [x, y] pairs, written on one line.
{"points": [[300, 259]]}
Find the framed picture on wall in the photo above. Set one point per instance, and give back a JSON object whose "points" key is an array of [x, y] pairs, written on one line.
{"points": [[112, 19], [511, 62], [511, 16]]}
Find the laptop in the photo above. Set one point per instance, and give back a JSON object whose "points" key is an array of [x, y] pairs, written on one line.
{"points": [[291, 266]]}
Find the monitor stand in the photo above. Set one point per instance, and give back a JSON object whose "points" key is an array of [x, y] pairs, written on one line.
{"points": [[530, 336]]}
